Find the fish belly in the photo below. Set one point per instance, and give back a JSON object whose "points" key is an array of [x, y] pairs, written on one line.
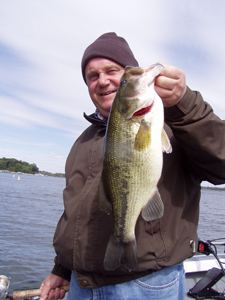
{"points": [[130, 178]]}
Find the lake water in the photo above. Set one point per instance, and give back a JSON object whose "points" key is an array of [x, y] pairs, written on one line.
{"points": [[30, 209]]}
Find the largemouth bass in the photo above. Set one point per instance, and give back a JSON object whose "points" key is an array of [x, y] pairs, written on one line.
{"points": [[133, 159]]}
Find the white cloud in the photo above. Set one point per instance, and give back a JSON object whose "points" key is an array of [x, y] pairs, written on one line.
{"points": [[42, 42]]}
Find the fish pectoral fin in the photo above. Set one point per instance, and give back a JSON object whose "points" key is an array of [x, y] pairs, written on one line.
{"points": [[166, 146], [103, 202], [143, 136], [154, 208], [118, 253]]}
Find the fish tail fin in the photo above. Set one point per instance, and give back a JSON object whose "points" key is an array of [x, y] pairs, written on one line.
{"points": [[118, 253], [130, 255]]}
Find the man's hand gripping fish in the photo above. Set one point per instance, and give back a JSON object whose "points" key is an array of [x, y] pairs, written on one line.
{"points": [[134, 142]]}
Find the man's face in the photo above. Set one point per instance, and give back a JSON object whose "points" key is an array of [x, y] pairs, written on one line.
{"points": [[103, 79]]}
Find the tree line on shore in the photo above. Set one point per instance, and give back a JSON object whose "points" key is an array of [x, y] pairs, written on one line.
{"points": [[14, 165]]}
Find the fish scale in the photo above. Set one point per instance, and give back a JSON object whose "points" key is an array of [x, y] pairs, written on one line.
{"points": [[132, 163]]}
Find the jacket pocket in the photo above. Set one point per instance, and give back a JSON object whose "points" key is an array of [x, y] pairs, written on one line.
{"points": [[155, 241], [150, 244]]}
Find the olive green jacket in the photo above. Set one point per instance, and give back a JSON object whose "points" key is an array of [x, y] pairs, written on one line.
{"points": [[197, 137]]}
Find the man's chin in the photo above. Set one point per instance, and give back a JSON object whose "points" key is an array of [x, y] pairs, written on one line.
{"points": [[106, 109]]}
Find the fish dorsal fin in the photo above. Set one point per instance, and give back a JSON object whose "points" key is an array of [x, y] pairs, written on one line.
{"points": [[143, 136], [103, 202], [166, 146], [154, 208]]}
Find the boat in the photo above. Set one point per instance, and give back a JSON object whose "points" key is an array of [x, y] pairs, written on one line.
{"points": [[205, 273]]}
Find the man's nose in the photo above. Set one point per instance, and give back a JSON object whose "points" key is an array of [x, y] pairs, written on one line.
{"points": [[103, 79]]}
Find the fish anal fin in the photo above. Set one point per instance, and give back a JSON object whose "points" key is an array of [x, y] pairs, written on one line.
{"points": [[143, 136], [118, 253], [103, 202], [166, 146], [154, 208]]}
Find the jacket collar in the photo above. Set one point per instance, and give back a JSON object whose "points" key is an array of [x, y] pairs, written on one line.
{"points": [[96, 119]]}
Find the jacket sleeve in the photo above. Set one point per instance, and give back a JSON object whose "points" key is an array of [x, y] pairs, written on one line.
{"points": [[201, 134], [61, 271]]}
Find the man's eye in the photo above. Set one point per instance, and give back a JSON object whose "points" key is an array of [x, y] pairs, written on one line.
{"points": [[112, 71], [93, 76]]}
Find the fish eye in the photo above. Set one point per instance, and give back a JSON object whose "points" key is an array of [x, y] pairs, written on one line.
{"points": [[123, 82]]}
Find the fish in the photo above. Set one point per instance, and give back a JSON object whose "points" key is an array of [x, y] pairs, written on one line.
{"points": [[132, 163]]}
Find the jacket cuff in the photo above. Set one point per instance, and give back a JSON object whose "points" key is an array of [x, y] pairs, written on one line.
{"points": [[182, 108], [61, 271]]}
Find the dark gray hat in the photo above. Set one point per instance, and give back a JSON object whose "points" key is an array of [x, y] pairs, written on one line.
{"points": [[111, 46]]}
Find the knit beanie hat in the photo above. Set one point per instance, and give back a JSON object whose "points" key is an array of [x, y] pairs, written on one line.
{"points": [[110, 46]]}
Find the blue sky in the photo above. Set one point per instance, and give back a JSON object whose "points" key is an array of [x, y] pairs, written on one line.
{"points": [[42, 93]]}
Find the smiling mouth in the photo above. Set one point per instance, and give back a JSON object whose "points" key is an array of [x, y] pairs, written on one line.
{"points": [[108, 93]]}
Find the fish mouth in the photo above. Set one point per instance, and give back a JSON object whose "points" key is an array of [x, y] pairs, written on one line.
{"points": [[143, 111]]}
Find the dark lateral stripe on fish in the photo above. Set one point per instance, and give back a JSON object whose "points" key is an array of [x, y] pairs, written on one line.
{"points": [[121, 215], [142, 111]]}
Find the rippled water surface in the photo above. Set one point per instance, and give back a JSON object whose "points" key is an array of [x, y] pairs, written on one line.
{"points": [[30, 209]]}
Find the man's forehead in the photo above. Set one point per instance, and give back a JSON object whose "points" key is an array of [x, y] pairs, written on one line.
{"points": [[101, 63]]}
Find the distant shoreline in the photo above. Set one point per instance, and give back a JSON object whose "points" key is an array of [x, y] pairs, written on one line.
{"points": [[213, 188], [60, 175], [41, 173], [13, 165]]}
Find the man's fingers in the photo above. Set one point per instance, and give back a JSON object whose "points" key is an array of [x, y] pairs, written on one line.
{"points": [[44, 292], [170, 71], [165, 82], [62, 294], [170, 85], [53, 294]]}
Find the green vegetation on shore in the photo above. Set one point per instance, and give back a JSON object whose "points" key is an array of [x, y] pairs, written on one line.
{"points": [[14, 165]]}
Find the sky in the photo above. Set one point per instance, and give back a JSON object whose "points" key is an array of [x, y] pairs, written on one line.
{"points": [[42, 93]]}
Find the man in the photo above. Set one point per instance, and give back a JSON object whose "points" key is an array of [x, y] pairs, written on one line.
{"points": [[81, 237]]}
